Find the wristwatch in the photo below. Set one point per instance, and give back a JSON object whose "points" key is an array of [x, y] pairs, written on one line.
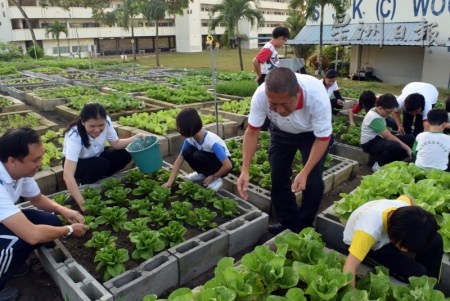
{"points": [[70, 231]]}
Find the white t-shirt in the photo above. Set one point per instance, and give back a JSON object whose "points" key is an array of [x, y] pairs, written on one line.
{"points": [[211, 143], [332, 88], [268, 57], [312, 114], [432, 150], [74, 149], [368, 225], [11, 190], [429, 92]]}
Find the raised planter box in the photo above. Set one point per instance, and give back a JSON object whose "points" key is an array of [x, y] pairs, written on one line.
{"points": [[44, 104], [19, 91], [15, 107], [332, 231], [70, 114], [227, 129], [241, 120], [332, 177], [51, 180], [167, 270], [165, 104], [44, 123]]}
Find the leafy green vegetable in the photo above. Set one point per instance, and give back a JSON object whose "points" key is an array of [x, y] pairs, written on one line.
{"points": [[111, 260], [147, 242]]}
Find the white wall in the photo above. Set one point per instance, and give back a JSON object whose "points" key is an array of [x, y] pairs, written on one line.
{"points": [[188, 29]]}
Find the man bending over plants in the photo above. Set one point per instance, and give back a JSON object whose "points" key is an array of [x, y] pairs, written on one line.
{"points": [[385, 230], [22, 231], [205, 152]]}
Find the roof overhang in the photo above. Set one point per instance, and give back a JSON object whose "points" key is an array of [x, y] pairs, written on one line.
{"points": [[389, 34]]}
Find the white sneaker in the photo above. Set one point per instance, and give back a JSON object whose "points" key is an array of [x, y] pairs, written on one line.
{"points": [[216, 185], [376, 166], [194, 176]]}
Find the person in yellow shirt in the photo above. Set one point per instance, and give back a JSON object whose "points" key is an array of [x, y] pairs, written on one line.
{"points": [[385, 230]]}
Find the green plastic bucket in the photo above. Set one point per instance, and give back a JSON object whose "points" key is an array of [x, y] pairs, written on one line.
{"points": [[146, 154]]}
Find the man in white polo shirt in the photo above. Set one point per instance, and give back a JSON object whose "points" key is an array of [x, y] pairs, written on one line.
{"points": [[22, 231], [416, 100], [300, 113]]}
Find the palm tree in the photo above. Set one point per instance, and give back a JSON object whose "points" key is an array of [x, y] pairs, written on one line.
{"points": [[308, 7], [230, 12], [55, 30], [155, 10], [295, 22]]}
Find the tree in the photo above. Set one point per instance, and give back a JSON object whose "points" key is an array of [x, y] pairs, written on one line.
{"points": [[155, 10], [295, 22], [229, 13], [55, 31], [308, 8], [27, 20]]}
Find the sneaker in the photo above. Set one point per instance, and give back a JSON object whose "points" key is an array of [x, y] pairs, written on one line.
{"points": [[375, 166], [9, 294], [216, 185], [194, 176]]}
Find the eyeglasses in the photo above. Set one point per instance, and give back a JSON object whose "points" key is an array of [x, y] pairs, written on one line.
{"points": [[389, 111]]}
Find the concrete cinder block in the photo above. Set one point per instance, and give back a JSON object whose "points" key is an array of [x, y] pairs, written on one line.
{"points": [[444, 284], [351, 152], [60, 184], [155, 276], [77, 284], [243, 206], [198, 255], [331, 231], [54, 258], [46, 180], [175, 141], [245, 231]]}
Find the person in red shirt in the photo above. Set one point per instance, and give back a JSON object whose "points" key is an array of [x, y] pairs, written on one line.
{"points": [[267, 58]]}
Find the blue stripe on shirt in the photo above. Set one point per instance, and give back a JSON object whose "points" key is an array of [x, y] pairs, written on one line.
{"points": [[220, 152]]}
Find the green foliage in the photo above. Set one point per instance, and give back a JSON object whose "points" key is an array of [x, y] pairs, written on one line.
{"points": [[188, 93], [236, 76], [158, 215], [118, 194], [12, 121], [147, 242], [161, 122], [49, 70], [61, 198], [114, 216], [7, 70], [101, 239], [65, 92], [111, 260], [24, 80], [173, 234], [244, 88], [110, 183], [241, 107], [419, 288], [203, 218], [9, 52], [35, 52], [89, 193], [226, 206], [131, 86], [180, 210], [345, 133], [53, 144], [112, 102], [200, 80], [5, 102], [137, 225]]}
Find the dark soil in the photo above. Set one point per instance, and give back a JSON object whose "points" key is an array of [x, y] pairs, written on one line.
{"points": [[38, 286]]}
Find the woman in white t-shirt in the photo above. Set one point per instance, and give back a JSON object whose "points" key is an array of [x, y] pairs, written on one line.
{"points": [[330, 83], [86, 158]]}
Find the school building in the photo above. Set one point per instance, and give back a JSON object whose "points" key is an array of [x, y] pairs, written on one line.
{"points": [[403, 41], [185, 33]]}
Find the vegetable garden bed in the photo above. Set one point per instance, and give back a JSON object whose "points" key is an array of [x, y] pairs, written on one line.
{"points": [[162, 123], [9, 104], [429, 188], [301, 268], [72, 265], [19, 92], [25, 119]]}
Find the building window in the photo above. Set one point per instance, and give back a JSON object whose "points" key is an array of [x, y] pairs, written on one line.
{"points": [[62, 49]]}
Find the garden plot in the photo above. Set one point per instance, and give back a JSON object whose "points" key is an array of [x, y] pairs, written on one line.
{"points": [[337, 170], [162, 123], [62, 76], [25, 81], [116, 105], [194, 225], [347, 142], [9, 104], [235, 110], [25, 119], [429, 188], [301, 268], [48, 99], [98, 83], [19, 92]]}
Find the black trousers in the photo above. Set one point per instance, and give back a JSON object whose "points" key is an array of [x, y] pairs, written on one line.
{"points": [[409, 120], [283, 147], [109, 162], [202, 162], [403, 266], [14, 250], [386, 151]]}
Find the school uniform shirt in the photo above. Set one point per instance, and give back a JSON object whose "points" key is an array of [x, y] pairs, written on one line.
{"points": [[429, 92], [366, 228], [268, 57], [11, 190], [74, 149], [312, 114], [432, 150], [211, 143], [331, 89], [373, 124], [357, 108]]}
